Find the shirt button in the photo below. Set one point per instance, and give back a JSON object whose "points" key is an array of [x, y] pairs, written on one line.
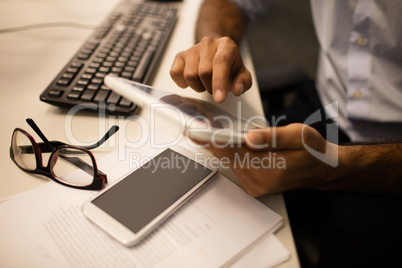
{"points": [[357, 95], [361, 41]]}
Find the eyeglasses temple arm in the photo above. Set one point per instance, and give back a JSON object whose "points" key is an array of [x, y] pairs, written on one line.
{"points": [[108, 134], [40, 134], [54, 144]]}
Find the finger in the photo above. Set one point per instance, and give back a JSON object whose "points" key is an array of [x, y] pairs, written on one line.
{"points": [[242, 82], [220, 80], [188, 108], [190, 72], [222, 68], [172, 99], [276, 138], [176, 71], [205, 70]]}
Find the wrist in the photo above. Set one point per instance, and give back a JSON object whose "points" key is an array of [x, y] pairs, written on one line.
{"points": [[199, 35], [219, 19], [336, 178], [371, 169]]}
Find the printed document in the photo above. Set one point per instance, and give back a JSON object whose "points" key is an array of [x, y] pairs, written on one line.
{"points": [[45, 227]]}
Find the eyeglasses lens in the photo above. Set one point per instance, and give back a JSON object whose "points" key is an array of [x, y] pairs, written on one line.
{"points": [[73, 167], [23, 150]]}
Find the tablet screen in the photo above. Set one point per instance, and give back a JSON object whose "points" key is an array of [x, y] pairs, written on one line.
{"points": [[202, 111]]}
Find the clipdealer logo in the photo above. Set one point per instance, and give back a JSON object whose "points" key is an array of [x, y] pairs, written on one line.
{"points": [[148, 134], [330, 156]]}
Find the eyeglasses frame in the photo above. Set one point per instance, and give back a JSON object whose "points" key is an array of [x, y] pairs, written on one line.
{"points": [[100, 178]]}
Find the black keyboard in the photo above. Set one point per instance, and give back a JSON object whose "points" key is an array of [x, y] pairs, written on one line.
{"points": [[129, 44]]}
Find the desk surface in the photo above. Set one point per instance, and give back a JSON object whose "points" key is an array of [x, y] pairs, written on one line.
{"points": [[31, 59]]}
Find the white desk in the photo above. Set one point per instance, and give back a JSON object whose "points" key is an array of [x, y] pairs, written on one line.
{"points": [[29, 60]]}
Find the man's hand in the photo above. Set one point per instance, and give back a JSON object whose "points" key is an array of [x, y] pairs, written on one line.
{"points": [[279, 159], [214, 65], [275, 160]]}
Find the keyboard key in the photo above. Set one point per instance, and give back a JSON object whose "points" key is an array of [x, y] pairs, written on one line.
{"points": [[125, 103], [74, 95], [126, 74], [90, 70], [73, 70], [55, 93], [97, 81], [113, 54], [107, 64], [129, 69], [78, 88], [100, 75], [97, 60], [88, 95], [101, 55], [83, 82], [83, 56], [76, 65], [111, 58], [122, 59], [68, 76], [119, 64], [117, 69], [143, 66], [113, 98], [94, 65], [101, 95], [104, 69], [63, 82], [93, 86], [86, 76], [132, 63]]}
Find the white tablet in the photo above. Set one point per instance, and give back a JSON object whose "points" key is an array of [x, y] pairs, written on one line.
{"points": [[200, 120]]}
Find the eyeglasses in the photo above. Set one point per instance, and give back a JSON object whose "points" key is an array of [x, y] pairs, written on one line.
{"points": [[69, 165]]}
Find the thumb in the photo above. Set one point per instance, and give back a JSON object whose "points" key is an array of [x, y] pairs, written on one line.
{"points": [[259, 138], [275, 138]]}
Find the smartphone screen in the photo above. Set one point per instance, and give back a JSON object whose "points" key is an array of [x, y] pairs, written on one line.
{"points": [[148, 191]]}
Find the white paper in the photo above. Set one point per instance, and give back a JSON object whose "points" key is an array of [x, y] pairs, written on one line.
{"points": [[45, 227], [268, 253]]}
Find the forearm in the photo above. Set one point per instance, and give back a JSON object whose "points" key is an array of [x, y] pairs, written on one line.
{"points": [[218, 18], [373, 169]]}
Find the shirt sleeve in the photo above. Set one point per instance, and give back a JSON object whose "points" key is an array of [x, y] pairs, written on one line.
{"points": [[251, 9]]}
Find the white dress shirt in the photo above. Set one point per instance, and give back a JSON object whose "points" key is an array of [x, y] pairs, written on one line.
{"points": [[360, 63]]}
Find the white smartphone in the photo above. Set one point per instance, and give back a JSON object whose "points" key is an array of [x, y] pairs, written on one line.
{"points": [[200, 119], [138, 203]]}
